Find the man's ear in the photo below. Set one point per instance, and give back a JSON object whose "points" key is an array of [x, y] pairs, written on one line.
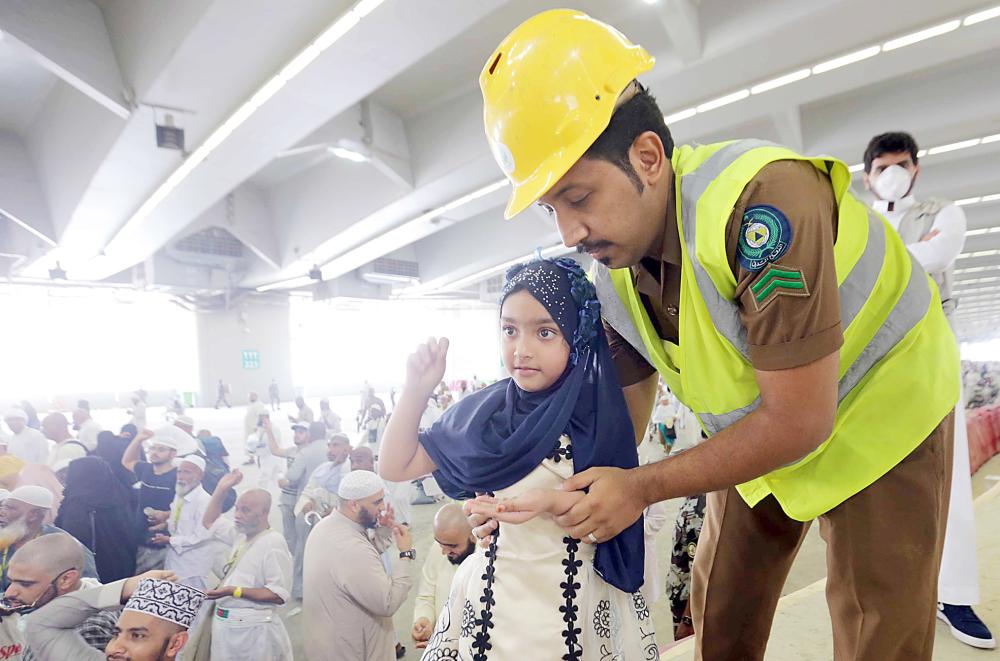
{"points": [[67, 580], [648, 157], [177, 641]]}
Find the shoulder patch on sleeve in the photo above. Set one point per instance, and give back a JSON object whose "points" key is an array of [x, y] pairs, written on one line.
{"points": [[777, 281], [765, 236]]}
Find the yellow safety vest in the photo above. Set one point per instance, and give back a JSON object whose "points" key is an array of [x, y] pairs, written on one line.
{"points": [[899, 370]]}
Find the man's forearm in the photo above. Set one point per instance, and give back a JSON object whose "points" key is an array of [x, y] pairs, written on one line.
{"points": [[756, 445]]}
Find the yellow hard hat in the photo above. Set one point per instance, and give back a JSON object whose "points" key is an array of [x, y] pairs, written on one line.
{"points": [[549, 90]]}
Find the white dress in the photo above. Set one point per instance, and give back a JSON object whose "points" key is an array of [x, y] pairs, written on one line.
{"points": [[540, 598]]}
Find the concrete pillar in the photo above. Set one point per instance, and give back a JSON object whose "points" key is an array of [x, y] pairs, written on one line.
{"points": [[229, 341]]}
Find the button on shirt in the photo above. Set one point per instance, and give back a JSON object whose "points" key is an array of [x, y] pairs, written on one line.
{"points": [[193, 548], [789, 331]]}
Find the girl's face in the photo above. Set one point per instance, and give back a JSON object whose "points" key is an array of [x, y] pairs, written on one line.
{"points": [[535, 353]]}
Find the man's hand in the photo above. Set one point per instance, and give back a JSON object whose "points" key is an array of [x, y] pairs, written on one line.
{"points": [[220, 592], [308, 506], [930, 235], [421, 633], [425, 367], [282, 483], [160, 539], [483, 526], [145, 434], [132, 583], [230, 479], [610, 506], [402, 537], [157, 516], [387, 519]]}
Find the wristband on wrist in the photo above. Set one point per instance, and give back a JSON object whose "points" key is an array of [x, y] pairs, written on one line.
{"points": [[238, 593]]}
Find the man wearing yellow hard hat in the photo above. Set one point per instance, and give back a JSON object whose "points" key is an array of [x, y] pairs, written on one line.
{"points": [[778, 308]]}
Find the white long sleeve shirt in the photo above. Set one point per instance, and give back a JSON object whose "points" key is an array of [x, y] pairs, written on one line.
{"points": [[193, 548], [940, 252], [30, 446]]}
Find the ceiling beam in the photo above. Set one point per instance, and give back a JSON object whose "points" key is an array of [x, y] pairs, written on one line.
{"points": [[680, 20], [69, 38]]}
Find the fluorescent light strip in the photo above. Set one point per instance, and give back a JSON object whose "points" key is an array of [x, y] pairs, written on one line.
{"points": [[967, 201], [781, 81], [990, 138], [980, 232], [980, 253], [414, 223], [978, 281], [915, 37], [955, 146], [463, 282], [307, 56], [981, 16], [844, 60], [680, 115], [835, 63], [976, 269], [857, 167], [724, 100], [288, 284]]}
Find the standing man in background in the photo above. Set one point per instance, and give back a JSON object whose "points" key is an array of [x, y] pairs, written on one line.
{"points": [[157, 482], [27, 444], [255, 578], [934, 232], [275, 395]]}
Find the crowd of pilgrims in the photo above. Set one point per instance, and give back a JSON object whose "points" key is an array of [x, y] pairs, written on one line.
{"points": [[100, 528]]}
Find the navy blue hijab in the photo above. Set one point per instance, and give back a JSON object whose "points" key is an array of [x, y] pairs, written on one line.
{"points": [[493, 438]]}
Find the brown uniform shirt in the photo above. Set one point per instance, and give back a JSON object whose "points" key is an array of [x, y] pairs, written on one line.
{"points": [[788, 328]]}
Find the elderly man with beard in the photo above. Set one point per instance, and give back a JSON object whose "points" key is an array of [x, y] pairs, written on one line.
{"points": [[43, 569], [320, 494], [350, 600], [191, 548], [256, 576], [152, 627], [453, 535], [22, 519]]}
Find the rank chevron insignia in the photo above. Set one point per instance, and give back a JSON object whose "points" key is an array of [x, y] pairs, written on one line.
{"points": [[777, 281]]}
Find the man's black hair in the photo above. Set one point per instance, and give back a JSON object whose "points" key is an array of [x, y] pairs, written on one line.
{"points": [[890, 143], [636, 116]]}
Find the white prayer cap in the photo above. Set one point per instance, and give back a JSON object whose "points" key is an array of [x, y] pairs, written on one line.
{"points": [[185, 420], [33, 495], [16, 413], [191, 459], [165, 441], [168, 601], [359, 484]]}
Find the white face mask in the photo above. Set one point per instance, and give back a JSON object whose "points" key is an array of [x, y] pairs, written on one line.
{"points": [[893, 183]]}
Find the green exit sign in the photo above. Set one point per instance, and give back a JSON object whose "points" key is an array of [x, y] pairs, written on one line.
{"points": [[251, 359]]}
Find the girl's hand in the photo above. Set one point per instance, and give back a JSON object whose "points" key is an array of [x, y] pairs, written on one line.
{"points": [[425, 367]]}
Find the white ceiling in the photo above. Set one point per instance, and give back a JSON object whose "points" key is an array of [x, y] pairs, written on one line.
{"points": [[78, 157]]}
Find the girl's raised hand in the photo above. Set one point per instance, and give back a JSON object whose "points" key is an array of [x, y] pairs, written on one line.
{"points": [[425, 367]]}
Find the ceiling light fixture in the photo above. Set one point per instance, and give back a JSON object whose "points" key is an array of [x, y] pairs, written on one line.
{"points": [[724, 100], [981, 16], [781, 81], [291, 283], [921, 35], [838, 62], [348, 154], [955, 146]]}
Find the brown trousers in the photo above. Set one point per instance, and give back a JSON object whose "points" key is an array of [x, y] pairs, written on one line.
{"points": [[883, 554]]}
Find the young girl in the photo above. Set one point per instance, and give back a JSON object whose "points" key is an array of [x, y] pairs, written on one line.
{"points": [[536, 593]]}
